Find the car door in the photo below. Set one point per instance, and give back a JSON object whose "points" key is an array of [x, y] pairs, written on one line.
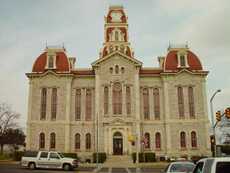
{"points": [[42, 161], [54, 160]]}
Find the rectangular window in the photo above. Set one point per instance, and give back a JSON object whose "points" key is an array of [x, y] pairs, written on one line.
{"points": [[88, 107], [78, 104], [43, 103], [191, 102], [128, 100], [182, 60], [51, 61], [180, 102], [54, 104], [156, 99], [146, 103]]}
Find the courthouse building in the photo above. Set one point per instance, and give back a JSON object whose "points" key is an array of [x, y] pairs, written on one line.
{"points": [[164, 106]]}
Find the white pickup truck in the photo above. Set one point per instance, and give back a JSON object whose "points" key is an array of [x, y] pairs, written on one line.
{"points": [[213, 165], [47, 159]]}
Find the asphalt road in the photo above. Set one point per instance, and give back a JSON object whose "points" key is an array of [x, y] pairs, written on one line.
{"points": [[15, 168]]}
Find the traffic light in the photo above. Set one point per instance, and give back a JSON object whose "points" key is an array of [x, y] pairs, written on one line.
{"points": [[212, 141], [218, 116], [227, 112]]}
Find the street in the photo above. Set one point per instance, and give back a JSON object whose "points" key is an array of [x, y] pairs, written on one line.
{"points": [[15, 168]]}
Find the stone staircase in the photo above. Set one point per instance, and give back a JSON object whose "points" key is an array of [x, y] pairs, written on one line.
{"points": [[121, 161]]}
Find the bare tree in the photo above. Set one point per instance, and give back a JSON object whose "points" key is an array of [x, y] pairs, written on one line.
{"points": [[8, 120]]}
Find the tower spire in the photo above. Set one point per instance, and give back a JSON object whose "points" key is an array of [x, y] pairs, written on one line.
{"points": [[116, 32]]}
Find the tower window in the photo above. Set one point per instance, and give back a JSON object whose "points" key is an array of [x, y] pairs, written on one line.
{"points": [[116, 69]]}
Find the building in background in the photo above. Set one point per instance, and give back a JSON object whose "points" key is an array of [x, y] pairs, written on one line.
{"points": [[164, 106]]}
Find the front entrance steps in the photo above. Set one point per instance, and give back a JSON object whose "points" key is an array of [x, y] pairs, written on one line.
{"points": [[119, 161]]}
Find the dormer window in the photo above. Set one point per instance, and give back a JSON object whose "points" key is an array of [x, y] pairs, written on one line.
{"points": [[51, 62], [182, 60]]}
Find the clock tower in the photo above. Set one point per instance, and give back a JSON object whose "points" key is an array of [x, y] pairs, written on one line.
{"points": [[116, 33]]}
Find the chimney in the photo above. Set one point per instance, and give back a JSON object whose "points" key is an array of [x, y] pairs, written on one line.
{"points": [[72, 61], [161, 60]]}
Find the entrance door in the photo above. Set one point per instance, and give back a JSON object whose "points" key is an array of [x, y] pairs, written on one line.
{"points": [[117, 144]]}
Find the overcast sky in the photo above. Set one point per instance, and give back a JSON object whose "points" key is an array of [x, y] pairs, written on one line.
{"points": [[26, 26]]}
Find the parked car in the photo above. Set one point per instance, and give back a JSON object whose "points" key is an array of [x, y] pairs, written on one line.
{"points": [[47, 159], [180, 167], [213, 165]]}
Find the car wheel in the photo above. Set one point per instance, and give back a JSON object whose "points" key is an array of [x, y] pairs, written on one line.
{"points": [[67, 167], [32, 166]]}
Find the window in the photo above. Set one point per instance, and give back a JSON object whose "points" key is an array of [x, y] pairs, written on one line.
{"points": [[180, 102], [44, 155], [193, 139], [182, 61], [122, 70], [77, 141], [54, 156], [191, 102], [223, 167], [116, 69], [51, 61], [146, 103], [88, 141], [116, 36], [43, 103], [117, 98], [88, 100], [54, 104], [147, 140], [128, 100], [199, 167], [78, 104], [42, 141], [106, 100], [158, 140], [182, 140], [52, 140], [111, 70], [156, 99]]}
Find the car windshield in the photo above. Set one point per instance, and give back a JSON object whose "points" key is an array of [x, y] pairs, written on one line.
{"points": [[61, 155], [181, 167]]}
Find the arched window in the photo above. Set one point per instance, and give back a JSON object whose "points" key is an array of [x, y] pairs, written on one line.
{"points": [[147, 140], [77, 141], [106, 100], [146, 103], [191, 102], [43, 103], [88, 141], [156, 98], [128, 100], [116, 69], [117, 98], [182, 140], [52, 140], [78, 104], [42, 141], [180, 102], [182, 60], [193, 139], [116, 36], [54, 104], [158, 140], [88, 109]]}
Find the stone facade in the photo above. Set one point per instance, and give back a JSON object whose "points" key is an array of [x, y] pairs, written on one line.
{"points": [[117, 64]]}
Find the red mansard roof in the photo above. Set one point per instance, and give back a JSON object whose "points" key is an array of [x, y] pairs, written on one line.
{"points": [[171, 63], [62, 63]]}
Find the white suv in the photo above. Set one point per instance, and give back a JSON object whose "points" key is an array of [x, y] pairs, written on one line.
{"points": [[213, 165]]}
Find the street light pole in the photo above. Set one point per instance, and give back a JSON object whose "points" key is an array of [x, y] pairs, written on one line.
{"points": [[212, 117]]}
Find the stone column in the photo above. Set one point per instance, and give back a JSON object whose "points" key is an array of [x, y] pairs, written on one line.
{"points": [[110, 111], [30, 96], [110, 141], [97, 109], [167, 117], [67, 115], [137, 107]]}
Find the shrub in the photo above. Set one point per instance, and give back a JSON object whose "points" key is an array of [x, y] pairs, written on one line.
{"points": [[71, 155], [18, 155], [144, 157], [101, 157]]}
